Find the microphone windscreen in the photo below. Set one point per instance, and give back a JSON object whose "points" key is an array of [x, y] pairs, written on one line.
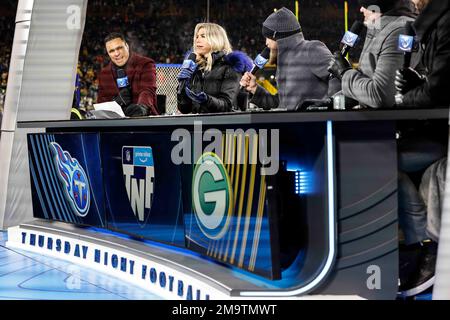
{"points": [[409, 29], [357, 27], [121, 73], [265, 53], [261, 60], [192, 56]]}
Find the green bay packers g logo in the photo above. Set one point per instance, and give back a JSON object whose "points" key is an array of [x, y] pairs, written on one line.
{"points": [[212, 196]]}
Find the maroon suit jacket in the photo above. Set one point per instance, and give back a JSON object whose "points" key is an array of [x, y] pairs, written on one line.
{"points": [[141, 72]]}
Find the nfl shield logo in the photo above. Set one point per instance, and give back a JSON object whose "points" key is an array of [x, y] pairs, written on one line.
{"points": [[260, 61], [122, 82], [350, 39], [139, 174], [406, 43]]}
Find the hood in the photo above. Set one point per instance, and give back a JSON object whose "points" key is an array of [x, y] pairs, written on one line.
{"points": [[430, 16], [239, 61], [402, 8]]}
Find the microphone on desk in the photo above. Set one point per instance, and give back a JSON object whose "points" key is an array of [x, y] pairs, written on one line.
{"points": [[260, 61]]}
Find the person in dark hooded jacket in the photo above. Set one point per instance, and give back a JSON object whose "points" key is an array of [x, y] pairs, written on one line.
{"points": [[429, 89], [424, 86], [301, 65], [211, 84]]}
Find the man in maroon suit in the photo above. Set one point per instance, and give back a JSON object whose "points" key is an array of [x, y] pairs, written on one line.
{"points": [[129, 79]]}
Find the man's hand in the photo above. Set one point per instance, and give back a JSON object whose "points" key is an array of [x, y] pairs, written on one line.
{"points": [[339, 65], [136, 110], [200, 97], [124, 98], [407, 79], [248, 82]]}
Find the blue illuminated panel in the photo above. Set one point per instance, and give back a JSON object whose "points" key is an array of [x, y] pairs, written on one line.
{"points": [[142, 186], [229, 219], [64, 181], [229, 212]]}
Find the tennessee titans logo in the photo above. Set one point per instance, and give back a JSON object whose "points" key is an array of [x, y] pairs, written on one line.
{"points": [[350, 39], [405, 43], [139, 173], [73, 178]]}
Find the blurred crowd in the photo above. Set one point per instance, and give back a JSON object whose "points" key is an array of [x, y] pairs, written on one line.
{"points": [[163, 30], [6, 36]]}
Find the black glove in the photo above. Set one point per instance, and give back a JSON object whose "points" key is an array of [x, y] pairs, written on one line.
{"points": [[124, 98], [339, 65], [199, 97], [136, 110], [407, 79]]}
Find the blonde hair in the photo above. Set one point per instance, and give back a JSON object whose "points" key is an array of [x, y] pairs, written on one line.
{"points": [[217, 38]]}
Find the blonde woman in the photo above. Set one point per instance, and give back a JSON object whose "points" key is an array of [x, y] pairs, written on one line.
{"points": [[211, 83]]}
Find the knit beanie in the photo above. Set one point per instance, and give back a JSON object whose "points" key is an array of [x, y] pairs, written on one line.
{"points": [[281, 24], [385, 5]]}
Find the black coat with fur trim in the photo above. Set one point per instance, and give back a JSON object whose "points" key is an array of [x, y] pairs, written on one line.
{"points": [[221, 85]]}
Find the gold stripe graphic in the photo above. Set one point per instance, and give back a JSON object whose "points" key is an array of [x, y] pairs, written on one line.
{"points": [[250, 197], [222, 245], [258, 224], [208, 252], [225, 256], [238, 170], [227, 152], [233, 139], [215, 245], [222, 156]]}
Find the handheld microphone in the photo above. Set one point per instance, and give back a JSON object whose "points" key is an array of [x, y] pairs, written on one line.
{"points": [[406, 44], [260, 61], [122, 79], [190, 64], [351, 37], [124, 96], [349, 40]]}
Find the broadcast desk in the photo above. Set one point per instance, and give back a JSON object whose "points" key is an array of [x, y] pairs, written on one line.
{"points": [[325, 224]]}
